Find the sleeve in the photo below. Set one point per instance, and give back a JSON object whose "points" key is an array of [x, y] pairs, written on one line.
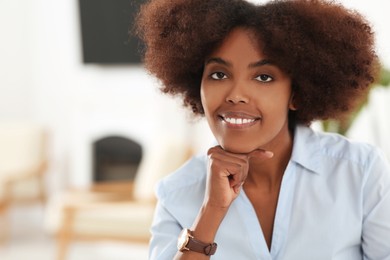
{"points": [[165, 231], [376, 209]]}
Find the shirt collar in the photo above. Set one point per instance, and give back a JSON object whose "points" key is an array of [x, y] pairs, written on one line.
{"points": [[307, 149]]}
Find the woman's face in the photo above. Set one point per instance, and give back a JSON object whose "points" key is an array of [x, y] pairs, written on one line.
{"points": [[245, 97]]}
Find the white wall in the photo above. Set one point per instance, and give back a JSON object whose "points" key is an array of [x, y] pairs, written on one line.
{"points": [[378, 13], [44, 80], [15, 72]]}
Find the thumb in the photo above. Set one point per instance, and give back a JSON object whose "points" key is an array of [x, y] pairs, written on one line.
{"points": [[260, 154]]}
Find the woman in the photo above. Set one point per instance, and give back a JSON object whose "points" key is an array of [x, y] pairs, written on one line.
{"points": [[272, 188]]}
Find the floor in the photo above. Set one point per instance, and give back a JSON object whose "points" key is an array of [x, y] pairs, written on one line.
{"points": [[26, 240]]}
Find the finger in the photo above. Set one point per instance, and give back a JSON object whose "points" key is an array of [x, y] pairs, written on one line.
{"points": [[232, 170], [219, 150], [231, 165], [260, 154], [236, 175], [226, 157], [237, 187]]}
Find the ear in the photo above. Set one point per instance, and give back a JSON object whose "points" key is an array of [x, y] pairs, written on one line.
{"points": [[291, 103]]}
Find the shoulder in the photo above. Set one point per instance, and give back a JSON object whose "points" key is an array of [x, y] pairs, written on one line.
{"points": [[338, 146], [181, 193], [319, 149], [188, 178]]}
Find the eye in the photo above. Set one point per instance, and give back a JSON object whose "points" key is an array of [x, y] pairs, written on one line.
{"points": [[218, 75], [264, 78]]}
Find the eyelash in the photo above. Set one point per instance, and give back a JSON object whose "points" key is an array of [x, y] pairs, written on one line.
{"points": [[269, 78], [215, 77]]}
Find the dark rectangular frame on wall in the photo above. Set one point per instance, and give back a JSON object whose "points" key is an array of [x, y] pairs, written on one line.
{"points": [[105, 33]]}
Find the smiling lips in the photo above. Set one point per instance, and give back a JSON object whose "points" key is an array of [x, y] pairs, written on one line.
{"points": [[239, 120]]}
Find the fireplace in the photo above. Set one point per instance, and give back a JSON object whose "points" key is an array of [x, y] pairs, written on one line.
{"points": [[115, 158]]}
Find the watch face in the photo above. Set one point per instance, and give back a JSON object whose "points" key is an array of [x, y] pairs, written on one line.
{"points": [[183, 240]]}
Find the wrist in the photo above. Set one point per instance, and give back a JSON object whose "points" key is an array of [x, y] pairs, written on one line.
{"points": [[216, 206], [187, 242], [207, 223]]}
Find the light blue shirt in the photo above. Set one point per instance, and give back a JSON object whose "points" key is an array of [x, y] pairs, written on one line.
{"points": [[334, 203]]}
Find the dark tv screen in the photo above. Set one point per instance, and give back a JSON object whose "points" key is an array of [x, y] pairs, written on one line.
{"points": [[105, 26]]}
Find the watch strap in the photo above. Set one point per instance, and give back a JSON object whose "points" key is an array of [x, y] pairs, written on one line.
{"points": [[200, 247]]}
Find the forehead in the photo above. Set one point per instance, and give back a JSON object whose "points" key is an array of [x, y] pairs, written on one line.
{"points": [[239, 43]]}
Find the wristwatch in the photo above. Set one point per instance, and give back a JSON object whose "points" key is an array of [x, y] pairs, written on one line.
{"points": [[187, 242]]}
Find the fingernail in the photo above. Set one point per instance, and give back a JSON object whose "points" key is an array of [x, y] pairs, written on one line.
{"points": [[269, 154]]}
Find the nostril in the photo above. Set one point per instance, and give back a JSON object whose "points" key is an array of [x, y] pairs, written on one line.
{"points": [[236, 99], [230, 100]]}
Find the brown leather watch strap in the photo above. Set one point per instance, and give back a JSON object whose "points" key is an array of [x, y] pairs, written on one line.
{"points": [[200, 247]]}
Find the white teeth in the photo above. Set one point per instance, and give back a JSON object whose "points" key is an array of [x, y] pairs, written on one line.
{"points": [[239, 121]]}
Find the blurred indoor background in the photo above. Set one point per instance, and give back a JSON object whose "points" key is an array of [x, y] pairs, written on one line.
{"points": [[85, 133]]}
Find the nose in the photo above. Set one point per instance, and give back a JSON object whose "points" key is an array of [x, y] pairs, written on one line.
{"points": [[237, 94]]}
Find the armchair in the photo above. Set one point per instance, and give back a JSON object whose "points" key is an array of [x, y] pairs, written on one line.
{"points": [[23, 163], [120, 211]]}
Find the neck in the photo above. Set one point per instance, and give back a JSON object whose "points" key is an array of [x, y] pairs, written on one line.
{"points": [[267, 175]]}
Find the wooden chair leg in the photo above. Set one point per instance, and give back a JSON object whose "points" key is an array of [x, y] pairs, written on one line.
{"points": [[4, 230], [4, 206], [65, 233], [42, 191]]}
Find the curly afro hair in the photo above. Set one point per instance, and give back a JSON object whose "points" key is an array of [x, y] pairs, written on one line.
{"points": [[326, 49]]}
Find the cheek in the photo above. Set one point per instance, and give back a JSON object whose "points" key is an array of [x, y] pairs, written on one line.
{"points": [[209, 99], [278, 100], [275, 110], [207, 107], [203, 98]]}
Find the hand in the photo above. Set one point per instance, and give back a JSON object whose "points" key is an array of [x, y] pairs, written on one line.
{"points": [[226, 174]]}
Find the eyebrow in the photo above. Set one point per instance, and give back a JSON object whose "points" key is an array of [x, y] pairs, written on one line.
{"points": [[228, 64], [260, 63], [218, 61]]}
